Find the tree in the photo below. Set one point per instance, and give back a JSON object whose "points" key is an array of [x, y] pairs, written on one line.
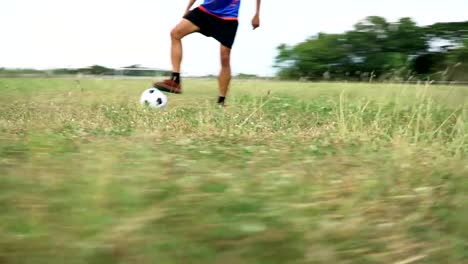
{"points": [[100, 70], [373, 46], [312, 58]]}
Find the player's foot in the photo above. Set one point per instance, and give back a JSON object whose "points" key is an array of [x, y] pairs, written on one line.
{"points": [[221, 100], [169, 86]]}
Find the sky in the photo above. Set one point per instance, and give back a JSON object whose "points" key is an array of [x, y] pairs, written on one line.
{"points": [[45, 34]]}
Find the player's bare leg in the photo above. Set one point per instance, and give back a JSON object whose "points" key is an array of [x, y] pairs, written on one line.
{"points": [[224, 77], [184, 28]]}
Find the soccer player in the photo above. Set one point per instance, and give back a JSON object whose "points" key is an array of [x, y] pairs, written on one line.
{"points": [[213, 18]]}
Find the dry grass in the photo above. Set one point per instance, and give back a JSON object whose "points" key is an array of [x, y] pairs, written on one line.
{"points": [[310, 173]]}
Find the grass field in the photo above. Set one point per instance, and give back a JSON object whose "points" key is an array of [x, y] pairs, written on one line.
{"points": [[289, 172]]}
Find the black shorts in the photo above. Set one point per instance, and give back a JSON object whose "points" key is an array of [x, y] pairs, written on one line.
{"points": [[222, 30]]}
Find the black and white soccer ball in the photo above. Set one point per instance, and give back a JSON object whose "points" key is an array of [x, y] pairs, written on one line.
{"points": [[153, 98]]}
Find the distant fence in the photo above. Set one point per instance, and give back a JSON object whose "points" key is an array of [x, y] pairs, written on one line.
{"points": [[122, 75], [93, 72]]}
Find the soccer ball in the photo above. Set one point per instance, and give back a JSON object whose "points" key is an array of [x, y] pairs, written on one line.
{"points": [[153, 98]]}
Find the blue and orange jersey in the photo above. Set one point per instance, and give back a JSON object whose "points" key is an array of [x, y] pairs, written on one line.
{"points": [[224, 9]]}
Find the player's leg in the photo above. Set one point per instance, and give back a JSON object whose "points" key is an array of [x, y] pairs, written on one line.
{"points": [[225, 32], [224, 78], [184, 28]]}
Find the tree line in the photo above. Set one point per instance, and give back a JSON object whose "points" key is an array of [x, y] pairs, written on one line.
{"points": [[378, 49], [97, 70]]}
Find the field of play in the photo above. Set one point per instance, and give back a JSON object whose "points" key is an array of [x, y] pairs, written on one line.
{"points": [[288, 172]]}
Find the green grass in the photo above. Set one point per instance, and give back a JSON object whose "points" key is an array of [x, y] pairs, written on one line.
{"points": [[289, 173]]}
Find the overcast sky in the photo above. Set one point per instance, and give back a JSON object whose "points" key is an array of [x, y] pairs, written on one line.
{"points": [[116, 33]]}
